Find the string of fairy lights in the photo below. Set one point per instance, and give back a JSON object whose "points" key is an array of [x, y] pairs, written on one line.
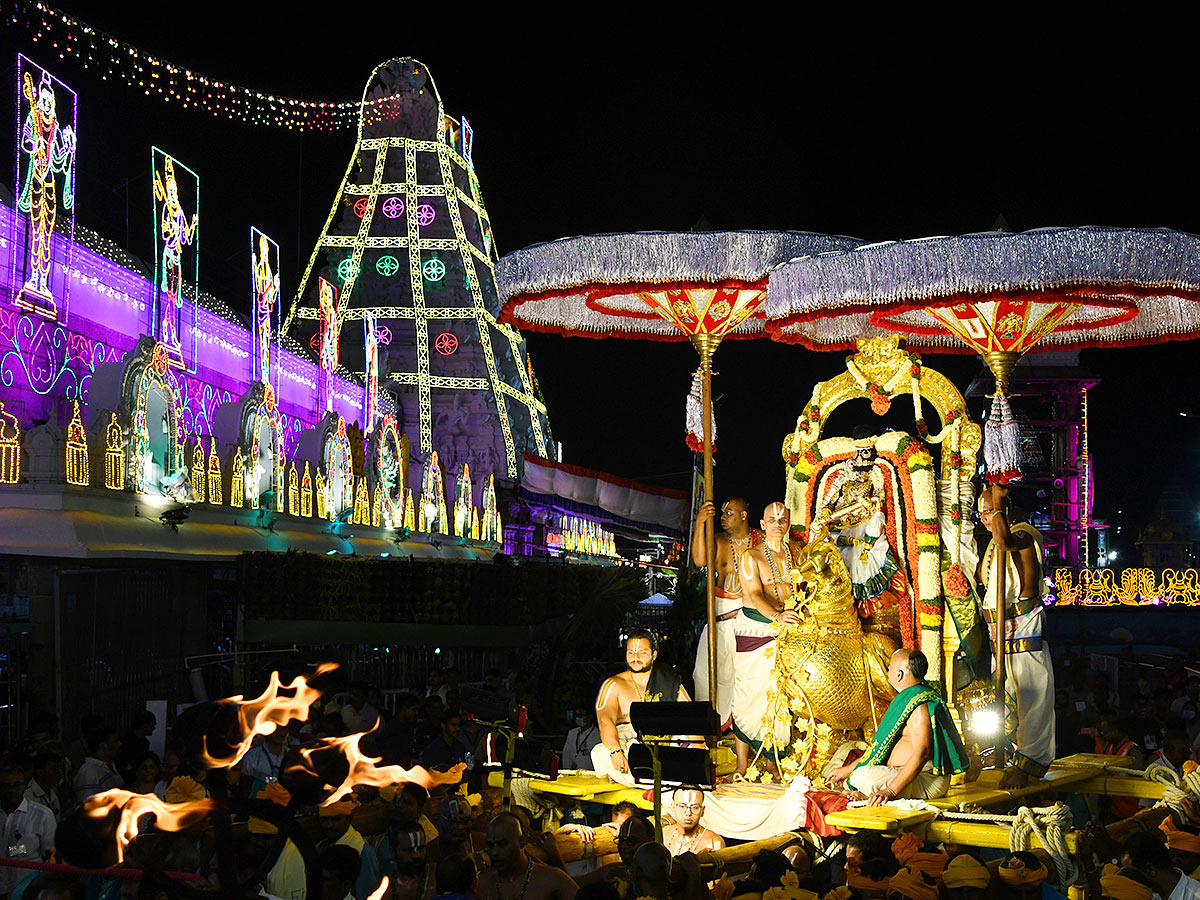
{"points": [[163, 80]]}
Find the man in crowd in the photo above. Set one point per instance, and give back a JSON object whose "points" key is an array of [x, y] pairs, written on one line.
{"points": [[513, 874], [358, 715], [262, 762], [642, 680], [340, 867], [43, 786], [687, 835], [1029, 673], [336, 829], [444, 751], [135, 743], [731, 546], [916, 748], [966, 878], [28, 827], [766, 578], [1112, 740], [1183, 843], [577, 749], [1191, 694], [1149, 856], [97, 773], [400, 739], [634, 831], [1022, 876]]}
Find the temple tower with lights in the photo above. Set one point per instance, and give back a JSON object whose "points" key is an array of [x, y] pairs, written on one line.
{"points": [[408, 243]]}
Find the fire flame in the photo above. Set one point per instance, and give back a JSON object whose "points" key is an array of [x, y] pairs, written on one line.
{"points": [[365, 771], [269, 711], [380, 891], [262, 716], [168, 816]]}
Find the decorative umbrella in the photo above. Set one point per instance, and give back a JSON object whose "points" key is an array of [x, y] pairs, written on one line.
{"points": [[998, 295], [700, 286]]}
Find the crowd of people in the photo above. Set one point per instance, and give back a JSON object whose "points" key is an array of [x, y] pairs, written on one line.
{"points": [[455, 842]]}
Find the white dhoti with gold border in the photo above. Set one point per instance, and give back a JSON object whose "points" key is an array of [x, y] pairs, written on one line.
{"points": [[754, 661], [728, 605]]}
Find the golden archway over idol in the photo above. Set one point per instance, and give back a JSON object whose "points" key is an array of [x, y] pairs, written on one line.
{"points": [[896, 519]]}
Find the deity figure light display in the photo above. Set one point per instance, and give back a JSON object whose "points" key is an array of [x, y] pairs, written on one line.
{"points": [[264, 270], [330, 330], [45, 151], [175, 232]]}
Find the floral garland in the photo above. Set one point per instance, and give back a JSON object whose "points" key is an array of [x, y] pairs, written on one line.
{"points": [[954, 579]]}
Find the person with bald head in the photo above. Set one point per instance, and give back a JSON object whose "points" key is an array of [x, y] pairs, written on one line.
{"points": [[687, 835], [916, 747], [766, 577], [732, 543], [514, 875]]}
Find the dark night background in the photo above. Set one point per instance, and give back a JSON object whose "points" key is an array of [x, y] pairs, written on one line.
{"points": [[592, 119]]}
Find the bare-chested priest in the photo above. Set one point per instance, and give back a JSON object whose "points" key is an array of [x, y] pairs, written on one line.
{"points": [[642, 681], [732, 544], [687, 835], [766, 576], [916, 747], [514, 874]]}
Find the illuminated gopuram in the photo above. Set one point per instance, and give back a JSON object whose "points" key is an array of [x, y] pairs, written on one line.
{"points": [[408, 242]]}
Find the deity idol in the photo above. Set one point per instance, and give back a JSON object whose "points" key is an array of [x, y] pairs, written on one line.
{"points": [[176, 232], [329, 337], [266, 290], [51, 151], [852, 508]]}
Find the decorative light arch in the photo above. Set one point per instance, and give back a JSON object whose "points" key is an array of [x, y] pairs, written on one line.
{"points": [[338, 441], [199, 470], [267, 411], [114, 455], [76, 450], [389, 451], [432, 514], [157, 374], [492, 528], [462, 502]]}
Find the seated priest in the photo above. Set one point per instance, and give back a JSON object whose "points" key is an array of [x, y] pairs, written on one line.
{"points": [[644, 679], [916, 748]]}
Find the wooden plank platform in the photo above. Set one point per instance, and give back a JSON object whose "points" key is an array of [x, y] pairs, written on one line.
{"points": [[583, 788], [987, 792]]}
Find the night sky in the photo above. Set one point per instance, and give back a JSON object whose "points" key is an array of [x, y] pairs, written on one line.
{"points": [[630, 120]]}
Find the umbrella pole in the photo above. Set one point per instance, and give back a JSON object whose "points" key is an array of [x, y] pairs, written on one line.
{"points": [[1001, 364], [1001, 752], [706, 346]]}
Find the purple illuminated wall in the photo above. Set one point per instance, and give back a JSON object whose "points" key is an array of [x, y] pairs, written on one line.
{"points": [[42, 364]]}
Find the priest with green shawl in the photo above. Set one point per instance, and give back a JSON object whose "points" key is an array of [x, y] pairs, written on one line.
{"points": [[916, 748]]}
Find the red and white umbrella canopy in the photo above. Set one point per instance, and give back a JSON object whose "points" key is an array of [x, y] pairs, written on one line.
{"points": [[1056, 288], [650, 284]]}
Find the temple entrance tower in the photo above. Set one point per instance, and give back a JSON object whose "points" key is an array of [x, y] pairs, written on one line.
{"points": [[409, 242]]}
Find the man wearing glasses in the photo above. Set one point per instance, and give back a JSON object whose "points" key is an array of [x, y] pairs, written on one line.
{"points": [[1029, 677], [687, 835]]}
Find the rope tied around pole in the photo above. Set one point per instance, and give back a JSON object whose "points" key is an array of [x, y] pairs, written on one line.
{"points": [[1176, 788], [1049, 824]]}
